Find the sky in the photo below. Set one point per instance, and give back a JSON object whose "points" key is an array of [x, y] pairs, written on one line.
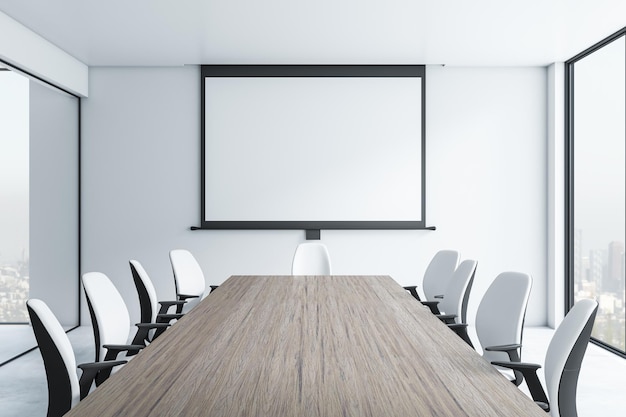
{"points": [[600, 133], [14, 166]]}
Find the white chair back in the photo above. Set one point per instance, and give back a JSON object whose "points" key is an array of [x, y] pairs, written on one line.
{"points": [[108, 311], [311, 259], [452, 303], [139, 273], [439, 272], [564, 357], [188, 276], [501, 312], [39, 311]]}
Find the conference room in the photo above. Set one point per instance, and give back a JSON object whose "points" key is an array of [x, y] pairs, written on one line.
{"points": [[386, 131]]}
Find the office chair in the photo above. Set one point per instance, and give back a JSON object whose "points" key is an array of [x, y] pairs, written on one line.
{"points": [[111, 321], [453, 305], [311, 259], [436, 277], [65, 390], [562, 363], [188, 278], [500, 320], [148, 303]]}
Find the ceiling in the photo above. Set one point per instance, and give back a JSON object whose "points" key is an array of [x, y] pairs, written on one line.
{"points": [[451, 32]]}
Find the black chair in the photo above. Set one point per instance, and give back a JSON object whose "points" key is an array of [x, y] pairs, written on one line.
{"points": [[152, 310], [111, 321], [563, 361], [64, 387], [188, 278]]}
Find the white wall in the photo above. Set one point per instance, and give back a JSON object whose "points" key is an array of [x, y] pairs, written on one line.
{"points": [[54, 200], [486, 184], [486, 170], [556, 194]]}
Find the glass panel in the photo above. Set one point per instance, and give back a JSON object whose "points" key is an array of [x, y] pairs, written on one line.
{"points": [[599, 187], [39, 206], [14, 194]]}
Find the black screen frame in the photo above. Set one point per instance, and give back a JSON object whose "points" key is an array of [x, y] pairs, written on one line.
{"points": [[313, 71]]}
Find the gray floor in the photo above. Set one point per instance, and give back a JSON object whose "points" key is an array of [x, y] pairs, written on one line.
{"points": [[15, 339], [23, 390], [602, 381]]}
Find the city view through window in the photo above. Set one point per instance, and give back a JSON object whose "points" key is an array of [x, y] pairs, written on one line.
{"points": [[14, 195], [599, 187], [14, 287], [599, 274]]}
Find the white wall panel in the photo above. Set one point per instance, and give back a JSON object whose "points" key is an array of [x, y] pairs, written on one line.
{"points": [[54, 200]]}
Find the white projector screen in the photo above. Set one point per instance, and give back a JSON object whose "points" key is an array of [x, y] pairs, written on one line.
{"points": [[313, 147]]}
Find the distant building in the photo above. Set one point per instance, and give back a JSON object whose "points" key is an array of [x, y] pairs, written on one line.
{"points": [[597, 267], [579, 267], [613, 280]]}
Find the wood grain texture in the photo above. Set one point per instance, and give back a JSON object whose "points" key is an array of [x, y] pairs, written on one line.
{"points": [[308, 346]]}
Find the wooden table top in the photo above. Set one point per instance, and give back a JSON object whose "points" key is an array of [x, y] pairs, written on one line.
{"points": [[272, 346]]}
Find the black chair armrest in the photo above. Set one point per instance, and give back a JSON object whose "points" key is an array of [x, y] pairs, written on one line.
{"points": [[166, 318], [521, 366], [165, 305], [529, 371], [513, 350], [447, 318], [90, 371], [183, 297], [111, 355], [114, 350], [143, 333], [461, 330], [432, 305], [213, 288], [100, 365], [152, 325], [504, 348], [412, 289]]}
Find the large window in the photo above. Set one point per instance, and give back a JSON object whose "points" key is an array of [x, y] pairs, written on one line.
{"points": [[596, 85], [14, 194], [39, 205]]}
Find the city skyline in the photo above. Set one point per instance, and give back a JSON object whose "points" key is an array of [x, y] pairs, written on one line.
{"points": [[600, 273]]}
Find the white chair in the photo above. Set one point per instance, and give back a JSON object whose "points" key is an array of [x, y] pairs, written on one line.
{"points": [[437, 275], [311, 259], [188, 278], [563, 361], [65, 390], [453, 305], [500, 320], [110, 319], [152, 310]]}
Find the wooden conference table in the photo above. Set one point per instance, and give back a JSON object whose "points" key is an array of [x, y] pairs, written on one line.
{"points": [[272, 346]]}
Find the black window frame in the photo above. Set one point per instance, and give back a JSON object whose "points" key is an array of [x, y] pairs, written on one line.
{"points": [[569, 177]]}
